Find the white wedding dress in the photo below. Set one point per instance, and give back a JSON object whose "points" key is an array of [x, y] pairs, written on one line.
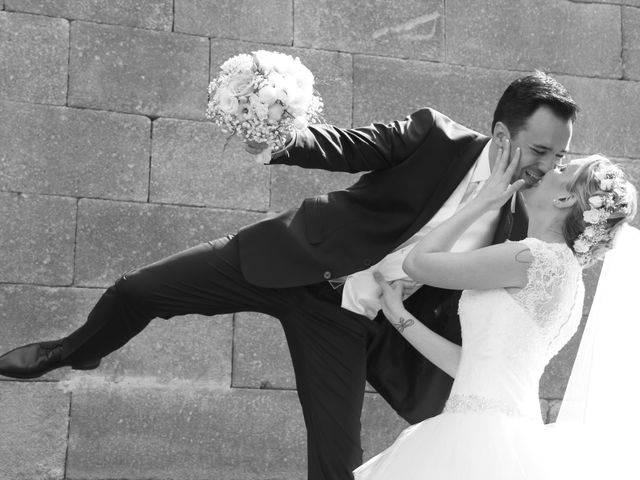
{"points": [[491, 427]]}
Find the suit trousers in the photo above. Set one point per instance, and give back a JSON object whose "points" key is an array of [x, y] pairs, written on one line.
{"points": [[327, 343]]}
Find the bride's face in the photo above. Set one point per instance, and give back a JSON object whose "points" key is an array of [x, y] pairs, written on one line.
{"points": [[554, 185]]}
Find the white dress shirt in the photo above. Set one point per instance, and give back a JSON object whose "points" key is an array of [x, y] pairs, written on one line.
{"points": [[361, 293]]}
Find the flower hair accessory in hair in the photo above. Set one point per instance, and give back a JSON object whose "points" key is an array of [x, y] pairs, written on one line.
{"points": [[263, 97], [609, 200]]}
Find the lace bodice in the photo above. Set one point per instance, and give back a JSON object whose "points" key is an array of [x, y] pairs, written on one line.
{"points": [[509, 337]]}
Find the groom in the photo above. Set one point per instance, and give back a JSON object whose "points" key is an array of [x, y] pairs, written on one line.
{"points": [[310, 266]]}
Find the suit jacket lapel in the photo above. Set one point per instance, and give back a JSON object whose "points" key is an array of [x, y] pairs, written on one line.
{"points": [[463, 160]]}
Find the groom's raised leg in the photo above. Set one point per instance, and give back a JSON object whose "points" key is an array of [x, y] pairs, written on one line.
{"points": [[204, 279]]}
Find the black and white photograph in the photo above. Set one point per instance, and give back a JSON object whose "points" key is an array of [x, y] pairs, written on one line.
{"points": [[319, 239]]}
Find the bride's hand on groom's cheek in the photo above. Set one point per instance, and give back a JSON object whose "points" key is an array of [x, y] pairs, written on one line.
{"points": [[498, 187]]}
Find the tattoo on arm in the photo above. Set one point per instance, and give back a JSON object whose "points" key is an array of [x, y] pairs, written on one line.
{"points": [[403, 323], [522, 257]]}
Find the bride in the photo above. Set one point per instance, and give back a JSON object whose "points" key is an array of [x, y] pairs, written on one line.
{"points": [[522, 302]]}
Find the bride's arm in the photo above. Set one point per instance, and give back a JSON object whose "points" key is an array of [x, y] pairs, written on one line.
{"points": [[438, 350], [430, 262]]}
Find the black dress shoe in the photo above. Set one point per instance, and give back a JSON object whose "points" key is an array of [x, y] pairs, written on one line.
{"points": [[36, 359]]}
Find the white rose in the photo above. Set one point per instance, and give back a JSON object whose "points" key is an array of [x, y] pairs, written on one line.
{"points": [[242, 62], [581, 246], [227, 102], [596, 201], [275, 79], [304, 80], [266, 60], [298, 105], [285, 65], [241, 84], [281, 94], [275, 111], [591, 216], [268, 95], [590, 231]]}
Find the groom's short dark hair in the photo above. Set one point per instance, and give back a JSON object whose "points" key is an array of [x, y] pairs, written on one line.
{"points": [[526, 94]]}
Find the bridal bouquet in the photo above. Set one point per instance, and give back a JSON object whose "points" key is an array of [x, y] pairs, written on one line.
{"points": [[263, 97]]}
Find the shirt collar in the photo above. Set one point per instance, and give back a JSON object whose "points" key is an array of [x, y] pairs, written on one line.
{"points": [[482, 171]]}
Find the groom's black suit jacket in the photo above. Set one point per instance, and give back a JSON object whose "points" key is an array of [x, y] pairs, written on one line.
{"points": [[413, 167]]}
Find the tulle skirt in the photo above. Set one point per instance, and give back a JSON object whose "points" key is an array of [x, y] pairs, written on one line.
{"points": [[493, 446]]}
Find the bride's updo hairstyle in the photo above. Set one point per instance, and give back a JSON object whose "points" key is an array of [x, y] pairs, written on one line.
{"points": [[605, 201]]}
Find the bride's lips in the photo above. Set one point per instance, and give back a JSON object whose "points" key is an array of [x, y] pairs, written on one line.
{"points": [[532, 177]]}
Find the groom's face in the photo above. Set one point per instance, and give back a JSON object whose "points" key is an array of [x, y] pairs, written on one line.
{"points": [[543, 142]]}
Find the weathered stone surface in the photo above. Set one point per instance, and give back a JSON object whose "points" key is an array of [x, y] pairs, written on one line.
{"points": [[333, 73], [387, 89], [168, 433], [32, 314], [33, 58], [138, 71], [380, 425], [556, 375], [552, 36], [413, 29], [153, 14], [608, 118], [635, 3], [269, 21], [36, 239], [631, 42], [114, 237], [261, 357], [34, 429], [172, 432], [289, 185], [191, 166], [67, 151], [193, 349]]}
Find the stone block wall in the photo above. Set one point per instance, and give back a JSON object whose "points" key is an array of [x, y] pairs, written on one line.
{"points": [[106, 164]]}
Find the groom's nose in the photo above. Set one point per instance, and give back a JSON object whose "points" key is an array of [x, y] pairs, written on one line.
{"points": [[548, 163]]}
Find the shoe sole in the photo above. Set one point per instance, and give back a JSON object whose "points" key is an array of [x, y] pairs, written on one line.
{"points": [[28, 376]]}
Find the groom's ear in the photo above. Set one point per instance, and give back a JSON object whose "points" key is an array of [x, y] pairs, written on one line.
{"points": [[501, 132]]}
